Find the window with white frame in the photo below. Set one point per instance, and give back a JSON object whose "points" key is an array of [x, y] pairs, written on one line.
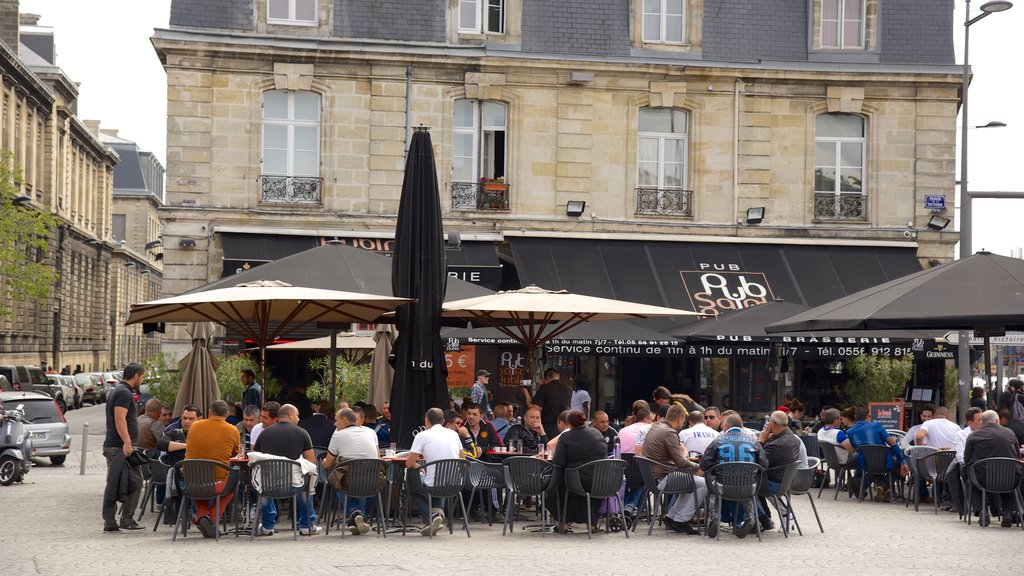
{"points": [[842, 24], [291, 146], [300, 12], [661, 160], [839, 154], [664, 21], [482, 16], [479, 139]]}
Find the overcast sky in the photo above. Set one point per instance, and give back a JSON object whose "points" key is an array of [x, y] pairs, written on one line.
{"points": [[104, 45]]}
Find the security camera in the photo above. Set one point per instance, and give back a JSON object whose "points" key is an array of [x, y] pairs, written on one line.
{"points": [[908, 234], [203, 227]]}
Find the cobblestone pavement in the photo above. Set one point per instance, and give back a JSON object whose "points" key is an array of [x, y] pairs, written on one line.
{"points": [[52, 526]]}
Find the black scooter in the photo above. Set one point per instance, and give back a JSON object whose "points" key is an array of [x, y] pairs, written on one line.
{"points": [[15, 446]]}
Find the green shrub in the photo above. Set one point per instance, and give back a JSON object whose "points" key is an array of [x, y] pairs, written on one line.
{"points": [[163, 378], [353, 382], [876, 378]]}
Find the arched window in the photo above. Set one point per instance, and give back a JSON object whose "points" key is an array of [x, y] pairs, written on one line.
{"points": [[291, 146], [839, 150], [662, 150]]}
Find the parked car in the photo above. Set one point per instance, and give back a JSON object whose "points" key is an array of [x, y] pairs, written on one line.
{"points": [[92, 388], [24, 378], [5, 386], [45, 422], [56, 388], [70, 382]]}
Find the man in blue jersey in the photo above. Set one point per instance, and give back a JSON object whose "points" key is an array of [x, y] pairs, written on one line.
{"points": [[867, 433], [733, 445]]}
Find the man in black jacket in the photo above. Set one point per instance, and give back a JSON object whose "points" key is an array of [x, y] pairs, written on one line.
{"points": [[991, 441], [530, 432], [781, 448], [122, 431]]}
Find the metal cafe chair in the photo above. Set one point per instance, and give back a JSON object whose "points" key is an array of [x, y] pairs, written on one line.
{"points": [[606, 477], [197, 480], [679, 482], [526, 476]]}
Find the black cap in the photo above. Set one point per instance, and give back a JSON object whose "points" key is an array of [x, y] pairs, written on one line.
{"points": [[480, 373]]}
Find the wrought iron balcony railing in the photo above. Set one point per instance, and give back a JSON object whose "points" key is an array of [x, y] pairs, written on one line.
{"points": [[480, 196], [831, 206], [290, 190], [664, 201]]}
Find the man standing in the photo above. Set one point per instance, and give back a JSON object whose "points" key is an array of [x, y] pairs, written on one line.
{"points": [[479, 392], [149, 423], [124, 481], [286, 440], [600, 423], [351, 441], [434, 443], [938, 432], [553, 397], [697, 437], [662, 445], [991, 441], [253, 394], [733, 445], [580, 397], [213, 439]]}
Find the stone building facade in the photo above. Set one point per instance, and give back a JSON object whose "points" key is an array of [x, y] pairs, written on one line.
{"points": [[70, 173], [831, 119]]}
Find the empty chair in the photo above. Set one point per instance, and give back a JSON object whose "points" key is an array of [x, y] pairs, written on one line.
{"points": [[802, 485], [364, 479], [996, 476], [606, 477], [197, 480], [449, 478], [527, 477], [679, 482], [157, 482], [733, 482], [484, 477], [785, 483], [878, 461], [841, 472], [811, 445], [272, 480], [933, 466]]}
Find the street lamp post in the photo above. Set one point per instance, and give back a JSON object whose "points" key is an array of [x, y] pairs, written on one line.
{"points": [[965, 199]]}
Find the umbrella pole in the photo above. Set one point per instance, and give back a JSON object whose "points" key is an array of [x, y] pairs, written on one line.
{"points": [[988, 364], [263, 374], [334, 366]]}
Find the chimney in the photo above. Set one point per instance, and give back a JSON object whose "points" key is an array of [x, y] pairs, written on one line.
{"points": [[9, 23], [109, 131], [93, 126]]}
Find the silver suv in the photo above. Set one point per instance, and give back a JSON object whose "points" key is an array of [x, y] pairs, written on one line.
{"points": [[45, 423]]}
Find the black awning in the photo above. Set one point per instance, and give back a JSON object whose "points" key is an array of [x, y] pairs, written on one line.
{"points": [[258, 248], [707, 277]]}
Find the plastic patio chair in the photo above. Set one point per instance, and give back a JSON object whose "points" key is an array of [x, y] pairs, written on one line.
{"points": [[811, 445], [606, 477], [785, 484], [841, 472], [362, 481], [157, 481], [802, 485], [272, 480], [197, 480], [933, 466], [680, 481], [732, 482], [998, 476], [876, 463], [449, 478], [913, 455], [484, 477], [526, 476]]}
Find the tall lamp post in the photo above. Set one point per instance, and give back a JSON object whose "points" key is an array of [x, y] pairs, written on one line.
{"points": [[965, 199]]}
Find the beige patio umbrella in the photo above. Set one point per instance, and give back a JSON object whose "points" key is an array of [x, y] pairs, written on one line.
{"points": [[354, 349], [198, 371], [382, 374], [533, 315], [265, 310]]}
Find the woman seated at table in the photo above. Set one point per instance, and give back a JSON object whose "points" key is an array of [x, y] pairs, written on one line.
{"points": [[576, 446]]}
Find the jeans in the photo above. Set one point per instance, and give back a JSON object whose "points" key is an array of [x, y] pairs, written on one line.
{"points": [[363, 505], [307, 515]]}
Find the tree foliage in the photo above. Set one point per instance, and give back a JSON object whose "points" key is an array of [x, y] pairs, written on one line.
{"points": [[24, 237], [163, 378], [876, 378], [352, 381]]}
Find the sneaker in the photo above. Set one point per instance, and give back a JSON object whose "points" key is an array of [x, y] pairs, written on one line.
{"points": [[130, 525], [713, 528], [264, 531], [669, 523], [311, 531], [766, 523], [111, 529], [360, 525], [436, 523], [206, 527], [684, 527], [1007, 521], [744, 529]]}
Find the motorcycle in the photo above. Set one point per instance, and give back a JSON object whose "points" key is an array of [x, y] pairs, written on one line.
{"points": [[15, 446]]}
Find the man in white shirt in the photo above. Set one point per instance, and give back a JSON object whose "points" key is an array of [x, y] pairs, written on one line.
{"points": [[349, 442], [697, 437], [927, 413], [973, 418], [434, 443], [939, 432]]}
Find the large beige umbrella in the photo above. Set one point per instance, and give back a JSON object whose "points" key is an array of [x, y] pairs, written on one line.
{"points": [[354, 349], [198, 371], [265, 310], [533, 315], [382, 374]]}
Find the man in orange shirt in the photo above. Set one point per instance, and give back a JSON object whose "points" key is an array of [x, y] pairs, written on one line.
{"points": [[213, 439]]}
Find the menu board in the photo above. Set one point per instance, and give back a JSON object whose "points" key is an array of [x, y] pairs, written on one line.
{"points": [[888, 414], [461, 366]]}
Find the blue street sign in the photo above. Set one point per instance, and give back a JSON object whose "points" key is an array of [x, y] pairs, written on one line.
{"points": [[935, 201]]}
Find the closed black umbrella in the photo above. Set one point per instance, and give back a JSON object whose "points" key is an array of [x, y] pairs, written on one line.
{"points": [[418, 271]]}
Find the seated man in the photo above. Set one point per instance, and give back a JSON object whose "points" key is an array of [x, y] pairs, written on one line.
{"points": [[250, 419], [831, 433], [733, 445], [500, 421], [911, 436], [455, 424], [351, 441], [992, 441], [938, 432], [286, 440], [484, 435], [530, 432], [865, 433], [150, 427], [662, 445], [436, 442], [371, 420], [781, 448], [319, 425], [600, 423], [268, 417], [697, 437], [172, 443], [213, 439]]}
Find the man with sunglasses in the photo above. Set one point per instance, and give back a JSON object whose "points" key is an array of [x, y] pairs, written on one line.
{"points": [[697, 437]]}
